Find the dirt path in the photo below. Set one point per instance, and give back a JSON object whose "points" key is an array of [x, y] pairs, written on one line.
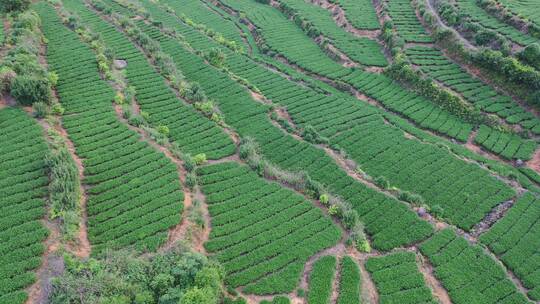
{"points": [[340, 18], [7, 101], [534, 163], [439, 292], [335, 282], [51, 265], [369, 293], [431, 8], [82, 248]]}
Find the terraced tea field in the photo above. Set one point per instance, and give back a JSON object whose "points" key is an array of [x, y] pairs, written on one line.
{"points": [[269, 151]]}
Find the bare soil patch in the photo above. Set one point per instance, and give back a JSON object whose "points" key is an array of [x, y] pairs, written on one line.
{"points": [[51, 265], [436, 287], [534, 163]]}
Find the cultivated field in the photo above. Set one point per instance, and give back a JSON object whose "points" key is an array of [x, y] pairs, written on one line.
{"points": [[269, 151]]}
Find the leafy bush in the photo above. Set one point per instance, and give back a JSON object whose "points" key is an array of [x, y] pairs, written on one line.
{"points": [[349, 283], [199, 159], [8, 6], [382, 182], [28, 90], [40, 109], [531, 55], [216, 57], [320, 280], [177, 276]]}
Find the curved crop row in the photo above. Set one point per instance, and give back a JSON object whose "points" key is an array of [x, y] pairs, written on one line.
{"points": [[135, 193], [262, 233], [398, 279], [273, 26], [359, 49], [23, 185], [193, 132], [320, 280], [350, 282], [509, 146], [360, 13], [433, 63], [466, 196], [406, 23], [515, 238], [471, 9], [469, 274], [250, 118]]}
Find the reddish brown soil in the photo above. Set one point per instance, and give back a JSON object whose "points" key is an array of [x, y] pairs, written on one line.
{"points": [[83, 248], [38, 292], [436, 287], [534, 163]]}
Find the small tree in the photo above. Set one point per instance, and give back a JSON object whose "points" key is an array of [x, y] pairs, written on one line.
{"points": [[216, 57], [382, 182], [40, 110], [164, 130], [324, 199], [8, 6], [200, 158], [28, 90]]}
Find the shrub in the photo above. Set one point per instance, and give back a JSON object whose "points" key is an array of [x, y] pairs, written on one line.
{"points": [[57, 109], [324, 199], [382, 182], [28, 90], [531, 55], [119, 98], [437, 211], [136, 120], [485, 37], [199, 159], [191, 180], [189, 162], [412, 198], [334, 210], [311, 135], [164, 130], [40, 110], [216, 57], [8, 6]]}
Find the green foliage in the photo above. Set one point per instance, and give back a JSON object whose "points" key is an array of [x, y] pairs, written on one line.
{"points": [[57, 109], [28, 90], [403, 72], [9, 6], [511, 239], [382, 182], [163, 130], [311, 135], [216, 57], [191, 180], [199, 159], [267, 221], [24, 184], [64, 188], [320, 280], [531, 55], [350, 282], [21, 74], [412, 198], [397, 277], [455, 260], [177, 276], [277, 300], [324, 199], [40, 109]]}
